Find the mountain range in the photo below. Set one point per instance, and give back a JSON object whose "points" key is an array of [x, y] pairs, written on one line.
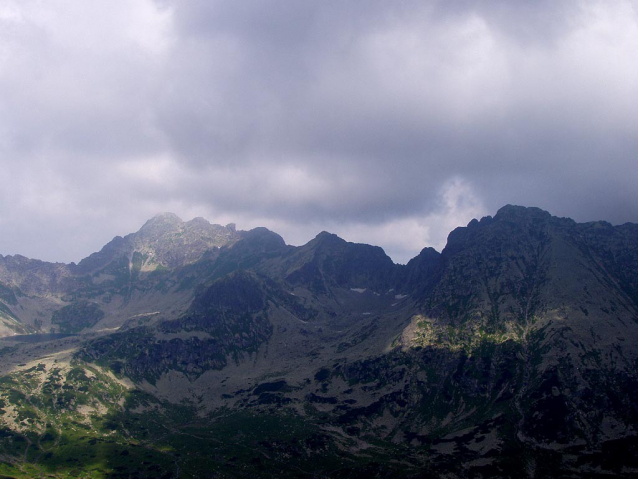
{"points": [[189, 349]]}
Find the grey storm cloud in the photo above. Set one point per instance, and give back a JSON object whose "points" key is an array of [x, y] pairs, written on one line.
{"points": [[384, 122]]}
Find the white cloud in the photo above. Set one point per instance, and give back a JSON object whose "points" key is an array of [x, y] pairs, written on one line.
{"points": [[384, 122], [402, 238]]}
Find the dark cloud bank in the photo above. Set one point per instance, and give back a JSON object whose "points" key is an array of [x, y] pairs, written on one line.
{"points": [[385, 122]]}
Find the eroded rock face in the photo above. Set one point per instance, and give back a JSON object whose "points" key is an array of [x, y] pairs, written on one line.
{"points": [[513, 352], [164, 241]]}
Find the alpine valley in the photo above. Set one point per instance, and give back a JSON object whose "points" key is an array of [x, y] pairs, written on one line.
{"points": [[189, 349]]}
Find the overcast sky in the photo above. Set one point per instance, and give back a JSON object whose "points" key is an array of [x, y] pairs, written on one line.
{"points": [[388, 123]]}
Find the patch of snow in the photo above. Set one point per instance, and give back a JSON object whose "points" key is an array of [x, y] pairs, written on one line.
{"points": [[358, 290], [366, 314], [400, 296], [142, 315]]}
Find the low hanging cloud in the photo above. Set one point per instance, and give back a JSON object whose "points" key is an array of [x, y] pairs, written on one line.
{"points": [[384, 122]]}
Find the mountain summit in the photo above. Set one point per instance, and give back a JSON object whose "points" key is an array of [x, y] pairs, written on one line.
{"points": [[513, 352], [164, 241]]}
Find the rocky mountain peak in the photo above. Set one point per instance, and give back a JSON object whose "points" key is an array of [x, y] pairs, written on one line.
{"points": [[264, 235], [168, 218], [517, 213], [161, 224], [325, 241], [164, 240], [325, 236], [199, 221], [171, 242], [510, 224]]}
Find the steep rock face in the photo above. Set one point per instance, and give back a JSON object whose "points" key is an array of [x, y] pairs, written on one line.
{"points": [[524, 266], [328, 261], [29, 292], [421, 273], [37, 277], [562, 293], [9, 324], [615, 250]]}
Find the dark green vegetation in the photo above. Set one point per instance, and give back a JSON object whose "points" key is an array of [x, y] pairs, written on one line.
{"points": [[207, 352], [77, 316], [137, 435]]}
